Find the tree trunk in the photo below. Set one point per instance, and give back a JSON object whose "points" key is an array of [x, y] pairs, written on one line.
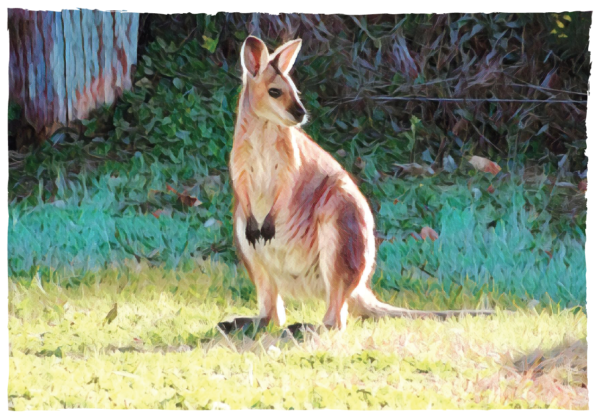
{"points": [[65, 64]]}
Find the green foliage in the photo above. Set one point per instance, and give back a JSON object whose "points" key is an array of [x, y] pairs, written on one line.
{"points": [[98, 196], [499, 240], [14, 111]]}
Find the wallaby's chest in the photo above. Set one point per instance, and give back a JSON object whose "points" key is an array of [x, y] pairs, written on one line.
{"points": [[261, 159]]}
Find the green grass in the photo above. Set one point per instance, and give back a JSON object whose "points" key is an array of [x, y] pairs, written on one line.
{"points": [[501, 242], [162, 351]]}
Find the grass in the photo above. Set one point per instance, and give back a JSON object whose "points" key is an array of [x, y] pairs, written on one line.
{"points": [[162, 351], [505, 240]]}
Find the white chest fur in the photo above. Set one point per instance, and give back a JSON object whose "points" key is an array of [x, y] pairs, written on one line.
{"points": [[263, 165]]}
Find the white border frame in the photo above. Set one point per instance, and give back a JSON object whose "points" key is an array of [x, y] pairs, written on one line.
{"points": [[320, 6]]}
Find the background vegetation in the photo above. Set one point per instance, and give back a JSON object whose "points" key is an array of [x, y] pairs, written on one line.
{"points": [[147, 178]]}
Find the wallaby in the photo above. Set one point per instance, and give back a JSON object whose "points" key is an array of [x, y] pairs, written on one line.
{"points": [[302, 228]]}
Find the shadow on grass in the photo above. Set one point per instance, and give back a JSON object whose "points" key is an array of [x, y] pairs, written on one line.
{"points": [[571, 354], [247, 339]]}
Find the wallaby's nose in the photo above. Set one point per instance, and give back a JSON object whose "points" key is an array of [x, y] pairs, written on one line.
{"points": [[297, 111]]}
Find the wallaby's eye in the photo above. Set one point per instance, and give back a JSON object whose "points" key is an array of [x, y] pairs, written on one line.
{"points": [[275, 93]]}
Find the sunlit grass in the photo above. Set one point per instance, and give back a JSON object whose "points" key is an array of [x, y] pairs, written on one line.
{"points": [[162, 351]]}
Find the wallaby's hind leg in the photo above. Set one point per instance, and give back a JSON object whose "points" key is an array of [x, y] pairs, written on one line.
{"points": [[337, 307], [270, 304], [345, 260]]}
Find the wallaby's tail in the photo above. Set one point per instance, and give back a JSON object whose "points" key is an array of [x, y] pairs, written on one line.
{"points": [[366, 304]]}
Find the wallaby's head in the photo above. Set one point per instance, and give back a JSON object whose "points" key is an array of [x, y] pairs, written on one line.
{"points": [[271, 92]]}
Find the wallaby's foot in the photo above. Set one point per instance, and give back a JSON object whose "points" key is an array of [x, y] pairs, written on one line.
{"points": [[242, 323], [298, 329]]}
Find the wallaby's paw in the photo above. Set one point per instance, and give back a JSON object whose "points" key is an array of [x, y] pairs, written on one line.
{"points": [[268, 228], [252, 231]]}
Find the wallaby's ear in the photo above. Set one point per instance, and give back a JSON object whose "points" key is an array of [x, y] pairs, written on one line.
{"points": [[285, 56], [255, 55]]}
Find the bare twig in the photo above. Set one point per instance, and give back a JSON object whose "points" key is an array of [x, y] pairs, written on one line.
{"points": [[464, 100], [486, 139]]}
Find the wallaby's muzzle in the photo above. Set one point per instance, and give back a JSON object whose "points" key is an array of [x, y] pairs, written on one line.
{"points": [[297, 111]]}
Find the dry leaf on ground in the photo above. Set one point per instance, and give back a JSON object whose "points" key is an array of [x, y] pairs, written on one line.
{"points": [[427, 232], [485, 165]]}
